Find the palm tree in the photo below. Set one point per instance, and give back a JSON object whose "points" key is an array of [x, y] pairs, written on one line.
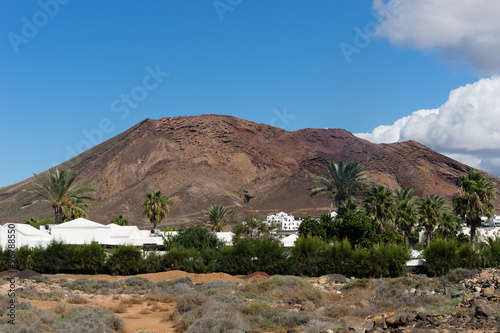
{"points": [[406, 211], [380, 205], [343, 181], [348, 207], [431, 209], [120, 220], [450, 225], [475, 198], [156, 207], [216, 216], [56, 188]]}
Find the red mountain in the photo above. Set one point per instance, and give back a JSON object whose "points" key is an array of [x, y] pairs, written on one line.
{"points": [[251, 168]]}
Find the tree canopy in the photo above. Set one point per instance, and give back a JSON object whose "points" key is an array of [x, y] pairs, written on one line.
{"points": [[341, 182], [67, 200]]}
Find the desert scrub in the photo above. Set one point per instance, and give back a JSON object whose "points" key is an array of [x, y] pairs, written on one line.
{"points": [[137, 284], [95, 287], [41, 279], [96, 320], [389, 293], [219, 322], [31, 293], [77, 299], [167, 290], [271, 318], [288, 287]]}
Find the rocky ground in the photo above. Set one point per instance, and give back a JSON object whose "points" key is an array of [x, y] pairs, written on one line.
{"points": [[410, 304], [478, 311]]}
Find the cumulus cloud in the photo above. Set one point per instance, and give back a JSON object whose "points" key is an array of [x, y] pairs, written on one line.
{"points": [[465, 30], [465, 128]]}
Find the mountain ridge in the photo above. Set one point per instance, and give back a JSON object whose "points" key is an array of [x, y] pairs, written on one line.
{"points": [[250, 167]]}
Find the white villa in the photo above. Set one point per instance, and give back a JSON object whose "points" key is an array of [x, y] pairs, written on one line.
{"points": [[287, 222]]}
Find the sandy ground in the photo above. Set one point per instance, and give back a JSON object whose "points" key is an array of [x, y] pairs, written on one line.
{"points": [[149, 315]]}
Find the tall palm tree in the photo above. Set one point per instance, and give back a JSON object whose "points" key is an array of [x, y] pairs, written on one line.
{"points": [[156, 207], [450, 225], [431, 209], [475, 198], [57, 189], [217, 216], [380, 204], [406, 211], [343, 181], [120, 220], [348, 207]]}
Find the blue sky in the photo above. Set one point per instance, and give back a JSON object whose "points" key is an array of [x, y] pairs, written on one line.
{"points": [[67, 67]]}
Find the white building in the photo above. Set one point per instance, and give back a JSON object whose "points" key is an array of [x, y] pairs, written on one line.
{"points": [[21, 235], [286, 222], [78, 232]]}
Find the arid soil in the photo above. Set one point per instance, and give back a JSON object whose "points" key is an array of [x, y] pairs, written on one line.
{"points": [[251, 168], [411, 304], [148, 315]]}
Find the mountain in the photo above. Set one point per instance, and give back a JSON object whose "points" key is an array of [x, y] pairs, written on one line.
{"points": [[251, 168]]}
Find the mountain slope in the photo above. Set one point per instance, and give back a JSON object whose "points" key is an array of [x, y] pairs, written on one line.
{"points": [[252, 168]]}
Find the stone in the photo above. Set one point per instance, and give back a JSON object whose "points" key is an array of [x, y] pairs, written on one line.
{"points": [[421, 316], [480, 311], [308, 306], [488, 292], [357, 329], [410, 318], [380, 323]]}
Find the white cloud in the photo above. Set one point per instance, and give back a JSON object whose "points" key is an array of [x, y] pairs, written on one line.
{"points": [[466, 127], [465, 30]]}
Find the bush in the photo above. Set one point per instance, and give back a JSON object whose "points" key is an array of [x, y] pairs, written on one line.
{"points": [[219, 322], [443, 255], [491, 252], [137, 283], [308, 256], [24, 258], [191, 260], [248, 256], [124, 260], [391, 259], [152, 263], [92, 286], [340, 259], [440, 256], [358, 228], [196, 238], [96, 320], [55, 258], [89, 259]]}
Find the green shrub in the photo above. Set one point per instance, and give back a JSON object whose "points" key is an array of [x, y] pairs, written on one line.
{"points": [[308, 256], [468, 258], [55, 258], [191, 260], [152, 262], [197, 238], [124, 260], [491, 252], [248, 256], [24, 258], [340, 259], [392, 259], [89, 259], [440, 256]]}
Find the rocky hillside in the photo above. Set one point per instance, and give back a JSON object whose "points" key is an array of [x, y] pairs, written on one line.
{"points": [[250, 167]]}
